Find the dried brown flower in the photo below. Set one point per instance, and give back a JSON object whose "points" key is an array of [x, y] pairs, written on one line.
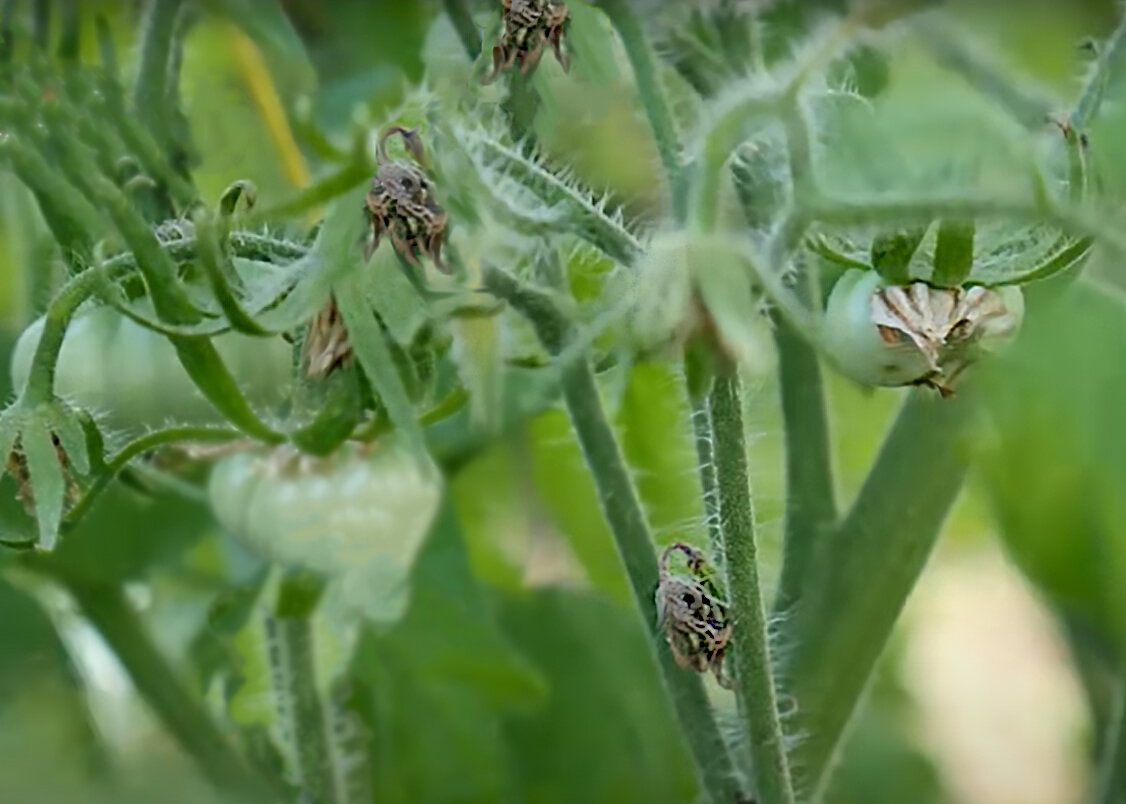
{"points": [[693, 614], [528, 26], [401, 203]]}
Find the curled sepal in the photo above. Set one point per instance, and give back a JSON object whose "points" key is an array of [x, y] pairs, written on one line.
{"points": [[373, 352], [45, 446], [222, 277], [242, 190], [338, 412]]}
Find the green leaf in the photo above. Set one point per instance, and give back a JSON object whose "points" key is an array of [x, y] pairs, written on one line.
{"points": [[1059, 463], [438, 684], [607, 733]]}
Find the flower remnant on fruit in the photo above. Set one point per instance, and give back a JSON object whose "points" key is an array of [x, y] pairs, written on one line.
{"points": [[326, 345], [528, 26], [693, 614], [944, 325], [401, 203]]}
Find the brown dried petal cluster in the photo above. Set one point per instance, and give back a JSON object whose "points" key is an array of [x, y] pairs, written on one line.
{"points": [[942, 323], [401, 203], [528, 26], [326, 345], [693, 614]]}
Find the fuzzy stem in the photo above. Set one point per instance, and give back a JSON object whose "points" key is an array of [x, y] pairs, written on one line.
{"points": [[139, 446], [621, 507], [40, 386], [752, 654], [108, 611], [872, 562], [150, 93], [626, 22], [1112, 773], [458, 11], [1109, 62]]}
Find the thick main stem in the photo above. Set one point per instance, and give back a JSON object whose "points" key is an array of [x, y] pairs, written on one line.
{"points": [[621, 507], [752, 652], [859, 577], [810, 502], [107, 609]]}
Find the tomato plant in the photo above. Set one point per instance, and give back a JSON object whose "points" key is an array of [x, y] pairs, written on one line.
{"points": [[383, 378]]}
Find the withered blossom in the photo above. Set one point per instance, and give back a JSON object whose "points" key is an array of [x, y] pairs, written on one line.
{"points": [[943, 324], [401, 203], [693, 614], [326, 344], [528, 26]]}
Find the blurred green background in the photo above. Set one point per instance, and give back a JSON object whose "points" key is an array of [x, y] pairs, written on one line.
{"points": [[982, 698]]}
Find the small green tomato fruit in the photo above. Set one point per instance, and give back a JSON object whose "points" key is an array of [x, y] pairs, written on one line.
{"points": [[892, 335], [131, 377], [359, 517]]}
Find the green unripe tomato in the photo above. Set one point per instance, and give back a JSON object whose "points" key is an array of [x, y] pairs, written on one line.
{"points": [[131, 377], [358, 517], [881, 333], [853, 340]]}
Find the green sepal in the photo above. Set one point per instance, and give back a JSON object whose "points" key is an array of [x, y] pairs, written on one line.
{"points": [[203, 364], [241, 190], [338, 414], [375, 357], [220, 275], [953, 253], [892, 252]]}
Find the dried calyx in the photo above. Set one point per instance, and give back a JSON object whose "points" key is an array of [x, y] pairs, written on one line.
{"points": [[889, 334], [693, 614], [401, 203], [529, 25]]}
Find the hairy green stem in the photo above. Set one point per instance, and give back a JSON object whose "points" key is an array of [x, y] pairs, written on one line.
{"points": [[1112, 771], [860, 575], [139, 446], [40, 386], [757, 697], [108, 611], [621, 507], [1109, 62], [628, 25], [458, 12]]}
